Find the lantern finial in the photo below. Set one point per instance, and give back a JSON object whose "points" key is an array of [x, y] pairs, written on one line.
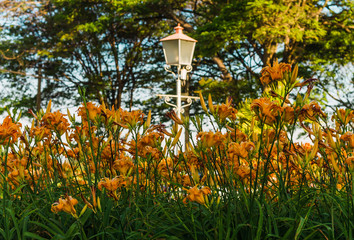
{"points": [[179, 29]]}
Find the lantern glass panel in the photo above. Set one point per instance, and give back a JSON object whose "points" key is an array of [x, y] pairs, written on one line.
{"points": [[170, 49], [186, 52]]}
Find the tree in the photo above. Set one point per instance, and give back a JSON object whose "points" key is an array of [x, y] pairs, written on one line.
{"points": [[107, 41], [21, 66], [111, 47], [104, 46]]}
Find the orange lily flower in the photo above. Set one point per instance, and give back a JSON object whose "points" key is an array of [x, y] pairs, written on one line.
{"points": [[132, 118], [55, 121], [198, 195], [240, 150], [274, 73], [9, 130], [91, 109], [110, 184], [210, 139], [343, 116], [311, 111], [123, 165], [226, 111], [65, 204], [350, 162], [266, 110], [348, 137]]}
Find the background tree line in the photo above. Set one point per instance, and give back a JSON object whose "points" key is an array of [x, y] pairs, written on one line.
{"points": [[111, 47]]}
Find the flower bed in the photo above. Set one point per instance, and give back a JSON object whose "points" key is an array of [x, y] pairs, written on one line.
{"points": [[113, 175]]}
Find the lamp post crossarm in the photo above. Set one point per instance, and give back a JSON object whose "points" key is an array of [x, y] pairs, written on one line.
{"points": [[173, 96], [167, 98]]}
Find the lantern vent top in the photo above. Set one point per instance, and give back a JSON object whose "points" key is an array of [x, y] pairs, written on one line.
{"points": [[178, 35]]}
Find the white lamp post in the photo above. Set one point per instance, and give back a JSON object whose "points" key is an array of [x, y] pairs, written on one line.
{"points": [[178, 49]]}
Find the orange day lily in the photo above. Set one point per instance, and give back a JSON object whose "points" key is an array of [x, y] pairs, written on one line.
{"points": [[9, 130], [274, 73], [343, 116], [348, 137], [226, 111], [110, 184], [66, 204], [132, 118], [55, 121], [266, 110], [211, 139], [91, 109], [123, 165], [311, 111], [240, 150], [350, 162], [198, 195]]}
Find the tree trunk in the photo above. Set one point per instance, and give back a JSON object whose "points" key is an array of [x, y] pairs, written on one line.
{"points": [[226, 76], [39, 88], [118, 101], [270, 49]]}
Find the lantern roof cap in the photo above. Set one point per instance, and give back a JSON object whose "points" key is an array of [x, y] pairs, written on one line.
{"points": [[178, 35]]}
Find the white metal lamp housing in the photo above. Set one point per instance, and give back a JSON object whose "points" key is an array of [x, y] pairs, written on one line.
{"points": [[178, 48]]}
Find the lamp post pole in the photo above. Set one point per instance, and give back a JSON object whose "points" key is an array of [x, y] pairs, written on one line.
{"points": [[179, 93]]}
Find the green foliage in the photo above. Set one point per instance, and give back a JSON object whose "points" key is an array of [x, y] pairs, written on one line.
{"points": [[112, 47]]}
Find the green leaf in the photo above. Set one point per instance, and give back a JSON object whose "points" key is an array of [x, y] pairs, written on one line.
{"points": [[33, 236], [15, 222], [52, 228], [260, 221], [72, 231]]}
